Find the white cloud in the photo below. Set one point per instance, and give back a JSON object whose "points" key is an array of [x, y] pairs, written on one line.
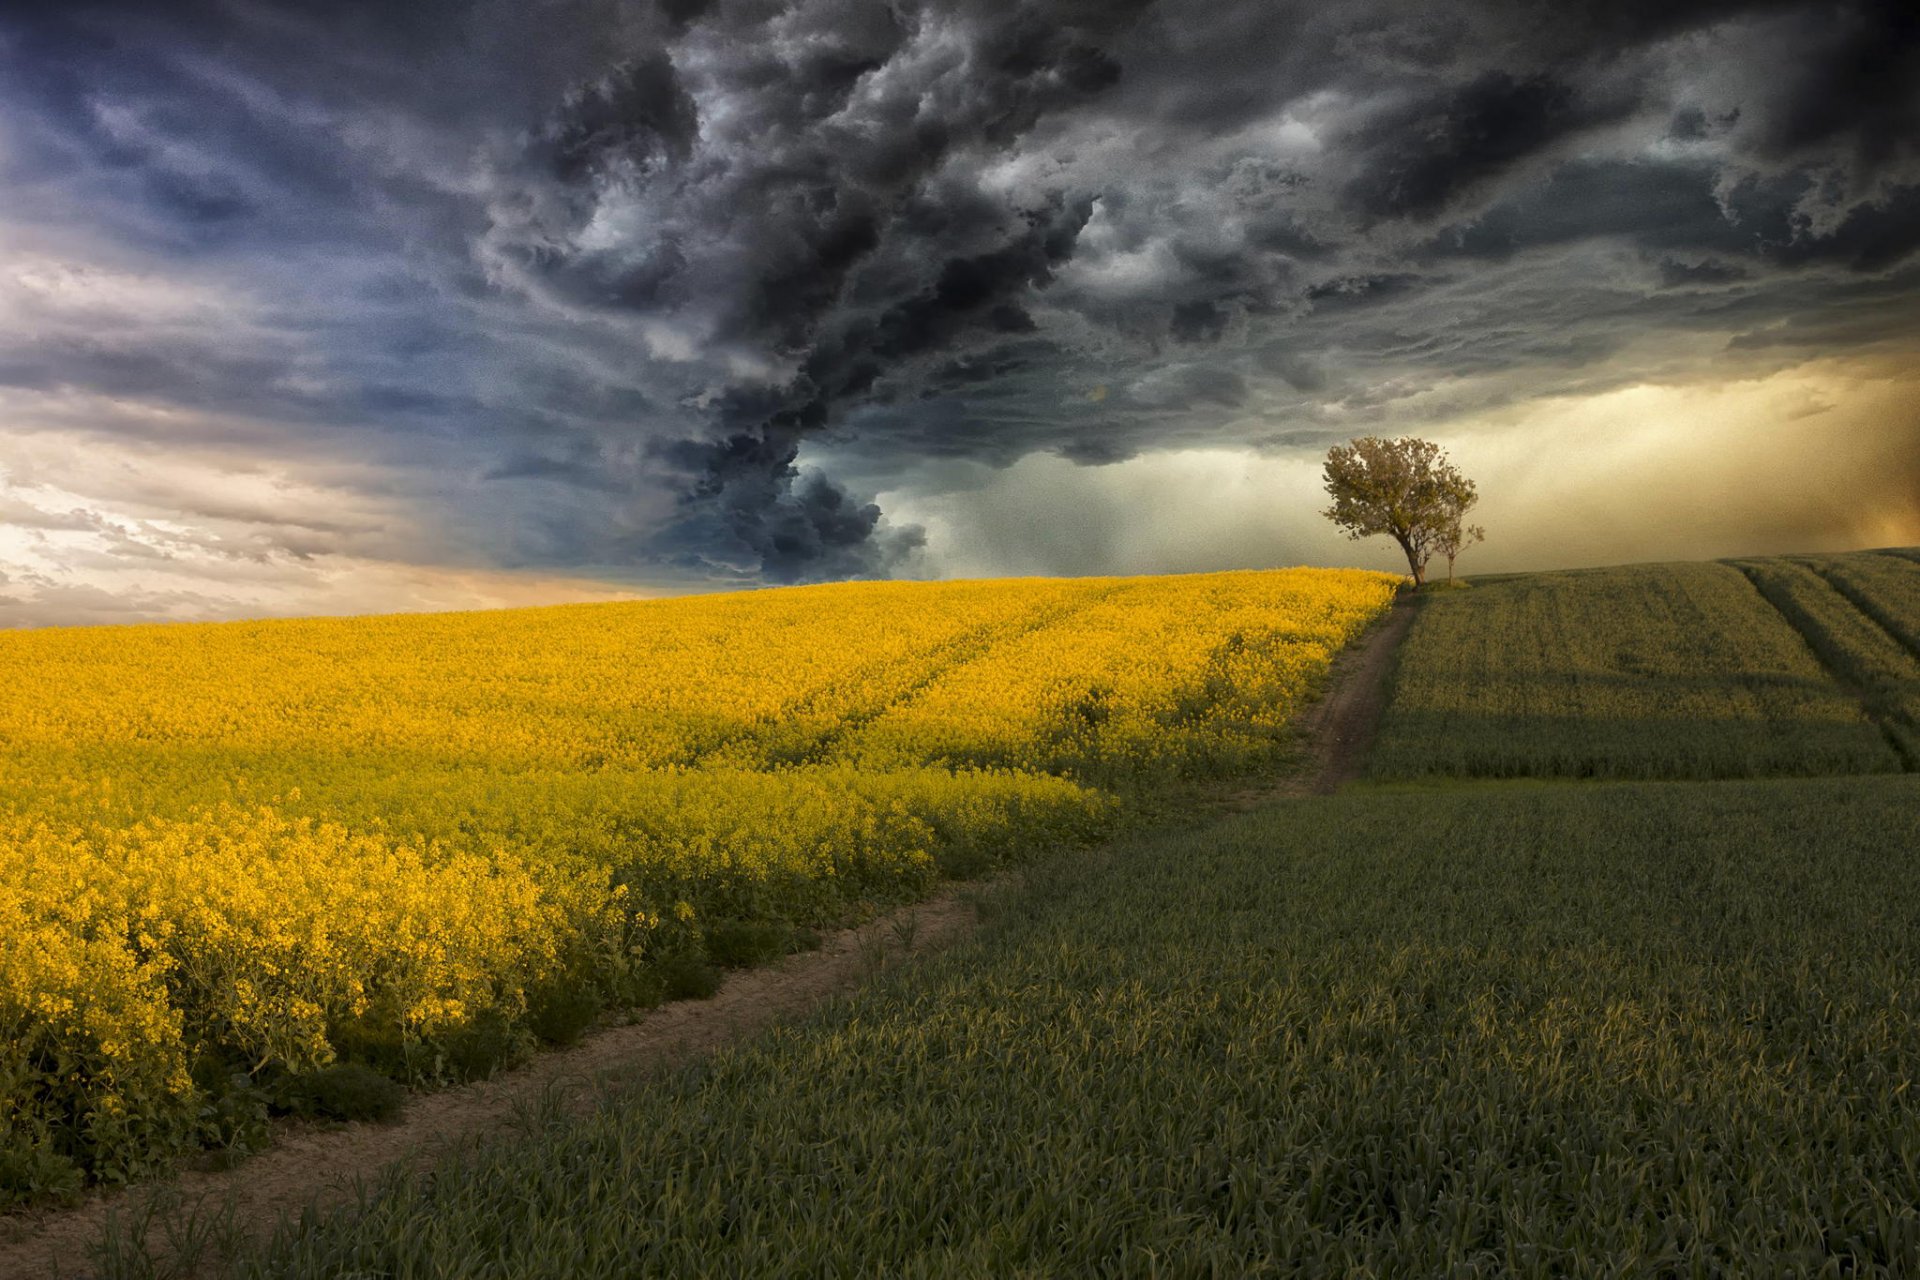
{"points": [[38, 288]]}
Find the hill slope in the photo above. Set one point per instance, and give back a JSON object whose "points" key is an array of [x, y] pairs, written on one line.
{"points": [[1808, 665]]}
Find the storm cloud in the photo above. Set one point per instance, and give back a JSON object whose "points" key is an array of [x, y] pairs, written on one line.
{"points": [[673, 292]]}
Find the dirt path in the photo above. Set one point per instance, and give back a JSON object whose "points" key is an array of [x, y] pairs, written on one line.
{"points": [[308, 1164], [1337, 730]]}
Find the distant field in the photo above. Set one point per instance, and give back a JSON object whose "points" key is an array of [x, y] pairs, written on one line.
{"points": [[1862, 621], [1767, 667], [1604, 1029], [1884, 586], [231, 855]]}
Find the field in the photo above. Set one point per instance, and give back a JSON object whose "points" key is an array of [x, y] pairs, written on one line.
{"points": [[1556, 992], [1861, 622], [235, 857], [1612, 1029], [1461, 1023], [1753, 669]]}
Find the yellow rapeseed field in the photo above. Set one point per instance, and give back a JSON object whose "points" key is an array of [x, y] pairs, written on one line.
{"points": [[243, 851]]}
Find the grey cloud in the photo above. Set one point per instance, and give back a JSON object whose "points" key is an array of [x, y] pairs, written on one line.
{"points": [[1422, 156], [44, 601], [1675, 273], [1849, 85], [847, 239], [624, 125]]}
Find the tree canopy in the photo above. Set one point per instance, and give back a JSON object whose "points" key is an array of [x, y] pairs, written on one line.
{"points": [[1405, 489]]}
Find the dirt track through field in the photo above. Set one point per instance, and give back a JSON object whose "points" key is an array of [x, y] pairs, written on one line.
{"points": [[310, 1164], [1337, 730]]}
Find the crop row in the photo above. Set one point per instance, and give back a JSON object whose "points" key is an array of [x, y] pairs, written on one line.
{"points": [[1860, 623], [1659, 671]]}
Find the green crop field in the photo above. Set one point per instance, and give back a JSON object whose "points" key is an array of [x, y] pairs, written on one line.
{"points": [[1753, 669], [1884, 587], [1868, 654], [1614, 1029]]}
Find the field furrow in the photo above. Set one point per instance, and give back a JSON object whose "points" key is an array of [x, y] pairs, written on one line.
{"points": [[1676, 671], [810, 729], [1884, 587], [1858, 649], [1125, 688]]}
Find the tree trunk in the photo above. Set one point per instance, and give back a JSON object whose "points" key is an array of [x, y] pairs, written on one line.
{"points": [[1415, 564]]}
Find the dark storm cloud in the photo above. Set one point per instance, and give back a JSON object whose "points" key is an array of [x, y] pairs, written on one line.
{"points": [[1421, 157], [626, 269], [1848, 85], [830, 227], [807, 527], [1676, 274]]}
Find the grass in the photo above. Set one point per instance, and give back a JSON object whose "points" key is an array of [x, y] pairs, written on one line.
{"points": [[1650, 671], [1613, 1029]]}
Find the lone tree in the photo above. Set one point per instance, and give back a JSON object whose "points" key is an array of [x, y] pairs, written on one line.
{"points": [[1405, 489]]}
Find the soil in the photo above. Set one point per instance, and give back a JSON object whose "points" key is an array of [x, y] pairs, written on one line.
{"points": [[309, 1164], [1339, 728], [1336, 731], [319, 1164]]}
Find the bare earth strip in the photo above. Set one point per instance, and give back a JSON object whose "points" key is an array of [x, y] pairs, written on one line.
{"points": [[1339, 728], [310, 1164], [1336, 731]]}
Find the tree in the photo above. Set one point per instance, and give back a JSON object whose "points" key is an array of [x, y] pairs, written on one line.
{"points": [[1406, 489], [1457, 536]]}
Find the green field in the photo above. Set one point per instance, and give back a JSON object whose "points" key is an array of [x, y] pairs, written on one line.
{"points": [[1861, 632], [1624, 1028], [1884, 587], [1754, 669], [1661, 1022]]}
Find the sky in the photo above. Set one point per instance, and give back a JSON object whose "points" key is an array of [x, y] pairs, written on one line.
{"points": [[331, 306]]}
